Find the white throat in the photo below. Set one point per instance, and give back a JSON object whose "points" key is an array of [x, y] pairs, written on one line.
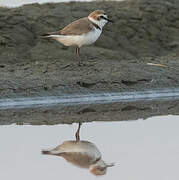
{"points": [[100, 23]]}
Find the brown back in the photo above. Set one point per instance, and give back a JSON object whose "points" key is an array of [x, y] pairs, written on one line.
{"points": [[77, 27]]}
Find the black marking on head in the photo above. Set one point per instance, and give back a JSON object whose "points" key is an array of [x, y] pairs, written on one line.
{"points": [[102, 17], [109, 20], [95, 25]]}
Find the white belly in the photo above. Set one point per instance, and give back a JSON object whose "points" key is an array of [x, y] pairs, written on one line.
{"points": [[91, 37], [78, 40]]}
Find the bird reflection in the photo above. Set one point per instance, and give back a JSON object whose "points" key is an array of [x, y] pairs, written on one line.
{"points": [[83, 154]]}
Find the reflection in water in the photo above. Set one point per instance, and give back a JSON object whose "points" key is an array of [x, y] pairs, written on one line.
{"points": [[81, 153]]}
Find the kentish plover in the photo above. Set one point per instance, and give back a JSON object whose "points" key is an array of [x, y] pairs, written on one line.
{"points": [[81, 153], [84, 31]]}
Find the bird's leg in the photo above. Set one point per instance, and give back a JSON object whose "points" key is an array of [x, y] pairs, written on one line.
{"points": [[77, 132], [78, 54]]}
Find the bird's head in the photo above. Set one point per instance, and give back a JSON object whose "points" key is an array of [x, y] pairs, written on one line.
{"points": [[99, 168], [99, 17]]}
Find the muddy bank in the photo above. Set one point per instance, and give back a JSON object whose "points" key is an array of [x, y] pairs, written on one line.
{"points": [[89, 113], [144, 32], [142, 28]]}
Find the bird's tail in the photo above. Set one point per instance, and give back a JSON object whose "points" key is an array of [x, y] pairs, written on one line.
{"points": [[47, 35], [51, 34], [51, 152], [45, 152]]}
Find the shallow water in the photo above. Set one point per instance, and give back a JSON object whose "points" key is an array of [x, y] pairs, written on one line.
{"points": [[142, 149]]}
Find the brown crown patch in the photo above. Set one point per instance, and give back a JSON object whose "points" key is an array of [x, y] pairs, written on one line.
{"points": [[95, 13]]}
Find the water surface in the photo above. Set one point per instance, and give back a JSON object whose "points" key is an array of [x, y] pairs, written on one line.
{"points": [[143, 149]]}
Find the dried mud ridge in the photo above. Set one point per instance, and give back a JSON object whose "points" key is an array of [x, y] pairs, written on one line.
{"points": [[144, 32]]}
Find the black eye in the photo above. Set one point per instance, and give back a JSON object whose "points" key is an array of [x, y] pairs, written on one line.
{"points": [[99, 18]]}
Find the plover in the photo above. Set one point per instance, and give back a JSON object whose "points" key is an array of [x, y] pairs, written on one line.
{"points": [[83, 154], [84, 31]]}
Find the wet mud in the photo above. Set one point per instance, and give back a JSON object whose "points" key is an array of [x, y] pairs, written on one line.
{"points": [[88, 113]]}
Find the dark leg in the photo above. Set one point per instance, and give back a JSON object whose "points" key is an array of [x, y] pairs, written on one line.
{"points": [[77, 132], [78, 54]]}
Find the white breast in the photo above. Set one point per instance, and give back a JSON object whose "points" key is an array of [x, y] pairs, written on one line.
{"points": [[90, 37]]}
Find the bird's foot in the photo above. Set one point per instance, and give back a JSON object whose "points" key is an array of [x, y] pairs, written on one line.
{"points": [[80, 63], [69, 65]]}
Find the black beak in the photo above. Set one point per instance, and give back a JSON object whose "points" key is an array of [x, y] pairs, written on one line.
{"points": [[109, 20]]}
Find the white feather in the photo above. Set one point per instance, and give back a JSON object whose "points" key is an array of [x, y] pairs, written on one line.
{"points": [[78, 40]]}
